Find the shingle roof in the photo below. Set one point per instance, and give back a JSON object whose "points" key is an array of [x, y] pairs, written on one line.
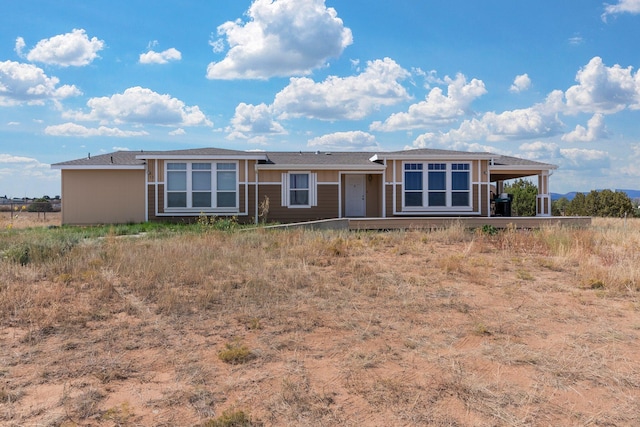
{"points": [[338, 158]]}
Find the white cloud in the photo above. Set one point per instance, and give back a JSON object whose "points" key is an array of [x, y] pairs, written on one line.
{"points": [[577, 158], [73, 129], [281, 38], [152, 57], [623, 6], [28, 176], [595, 130], [345, 141], [116, 148], [26, 83], [604, 89], [437, 108], [141, 106], [9, 158], [20, 45], [177, 132], [540, 120], [70, 49], [252, 120], [520, 84], [348, 98]]}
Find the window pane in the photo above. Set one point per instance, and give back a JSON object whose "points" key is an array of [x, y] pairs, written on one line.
{"points": [[413, 199], [201, 200], [226, 181], [177, 200], [299, 197], [299, 180], [226, 200], [226, 166], [413, 180], [460, 181], [201, 166], [437, 199], [460, 199], [201, 181], [460, 166], [177, 166], [176, 181], [437, 181], [412, 166], [437, 166]]}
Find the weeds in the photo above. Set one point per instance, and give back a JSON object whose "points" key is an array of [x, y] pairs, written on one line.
{"points": [[446, 327], [235, 353]]}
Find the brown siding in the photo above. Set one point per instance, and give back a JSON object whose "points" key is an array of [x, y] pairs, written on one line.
{"points": [[373, 196], [102, 196], [327, 205], [388, 200]]}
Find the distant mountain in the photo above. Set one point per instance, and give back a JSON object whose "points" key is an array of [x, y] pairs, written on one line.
{"points": [[633, 194]]}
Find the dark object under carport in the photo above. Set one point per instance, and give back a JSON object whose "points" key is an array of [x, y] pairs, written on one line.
{"points": [[503, 204]]}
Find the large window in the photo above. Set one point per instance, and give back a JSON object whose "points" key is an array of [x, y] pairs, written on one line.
{"points": [[443, 186], [201, 185]]}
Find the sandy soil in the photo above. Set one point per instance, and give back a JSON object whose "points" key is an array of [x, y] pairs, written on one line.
{"points": [[449, 335]]}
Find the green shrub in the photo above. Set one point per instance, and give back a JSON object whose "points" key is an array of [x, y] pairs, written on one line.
{"points": [[235, 353], [231, 419]]}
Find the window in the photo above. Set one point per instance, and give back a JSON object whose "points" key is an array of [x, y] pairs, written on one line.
{"points": [[460, 184], [201, 185], [444, 186], [413, 184], [299, 189]]}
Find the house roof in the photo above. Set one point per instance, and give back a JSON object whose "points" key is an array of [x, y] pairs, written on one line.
{"points": [[293, 159]]}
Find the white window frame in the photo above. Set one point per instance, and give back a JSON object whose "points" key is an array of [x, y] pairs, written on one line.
{"points": [[448, 207], [286, 190], [214, 187]]}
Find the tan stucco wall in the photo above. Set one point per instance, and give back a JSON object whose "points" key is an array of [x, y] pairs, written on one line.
{"points": [[103, 196]]}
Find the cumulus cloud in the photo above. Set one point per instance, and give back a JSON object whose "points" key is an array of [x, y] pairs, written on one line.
{"points": [[70, 49], [437, 108], [520, 84], [281, 38], [25, 83], [141, 106], [73, 129], [24, 172], [344, 98], [623, 6], [152, 57], [566, 158], [604, 89], [540, 120], [250, 121], [345, 141], [177, 132], [595, 130]]}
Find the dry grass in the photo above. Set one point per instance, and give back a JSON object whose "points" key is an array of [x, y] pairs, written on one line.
{"points": [[448, 327]]}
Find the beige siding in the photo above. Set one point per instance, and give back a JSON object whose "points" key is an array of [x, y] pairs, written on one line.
{"points": [[102, 196]]}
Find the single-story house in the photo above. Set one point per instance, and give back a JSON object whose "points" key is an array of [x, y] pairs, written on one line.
{"points": [[130, 187]]}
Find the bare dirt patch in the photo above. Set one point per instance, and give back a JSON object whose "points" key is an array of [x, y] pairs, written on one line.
{"points": [[447, 328]]}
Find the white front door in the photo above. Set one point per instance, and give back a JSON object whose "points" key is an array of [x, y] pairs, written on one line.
{"points": [[355, 204]]}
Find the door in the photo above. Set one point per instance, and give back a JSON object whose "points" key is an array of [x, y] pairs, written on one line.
{"points": [[355, 204]]}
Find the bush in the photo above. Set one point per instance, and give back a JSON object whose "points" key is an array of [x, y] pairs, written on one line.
{"points": [[40, 205]]}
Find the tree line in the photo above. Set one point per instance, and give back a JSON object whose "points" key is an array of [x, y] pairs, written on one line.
{"points": [[602, 203]]}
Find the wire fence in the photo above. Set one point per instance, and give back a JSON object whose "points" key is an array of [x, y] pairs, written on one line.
{"points": [[40, 207]]}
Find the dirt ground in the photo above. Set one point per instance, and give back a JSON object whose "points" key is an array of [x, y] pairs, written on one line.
{"points": [[442, 333]]}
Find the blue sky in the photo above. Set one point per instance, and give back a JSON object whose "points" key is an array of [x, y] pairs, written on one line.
{"points": [[554, 81]]}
